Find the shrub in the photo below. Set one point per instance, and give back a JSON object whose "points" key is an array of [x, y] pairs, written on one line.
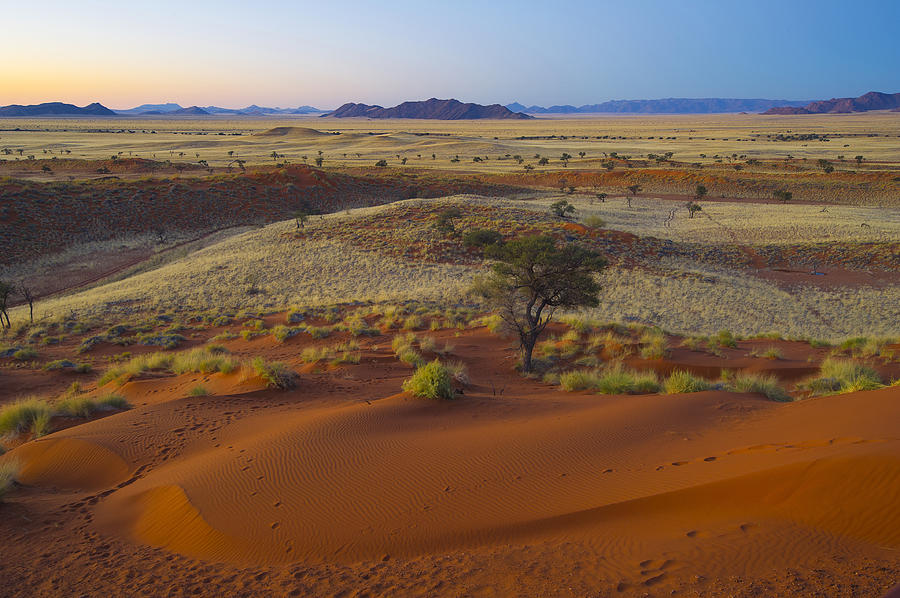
{"points": [[412, 322], [21, 415], [481, 237], [276, 374], [594, 221], [681, 381], [765, 384], [458, 372], [431, 381]]}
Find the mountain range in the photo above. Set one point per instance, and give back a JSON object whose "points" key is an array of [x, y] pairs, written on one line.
{"points": [[874, 100], [432, 109], [171, 109], [662, 106], [56, 109]]}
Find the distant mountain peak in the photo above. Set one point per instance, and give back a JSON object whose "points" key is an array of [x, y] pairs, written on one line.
{"points": [[873, 100], [662, 106], [56, 109], [431, 108]]}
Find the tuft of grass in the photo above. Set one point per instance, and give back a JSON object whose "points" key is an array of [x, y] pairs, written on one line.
{"points": [[275, 373], [314, 354], [281, 333], [681, 381], [837, 376], [431, 381], [9, 471], [724, 338], [21, 415], [765, 384], [201, 360], [224, 336], [413, 322], [772, 353], [458, 372], [199, 391]]}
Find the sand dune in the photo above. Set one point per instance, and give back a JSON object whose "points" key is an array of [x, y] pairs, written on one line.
{"points": [[642, 492]]}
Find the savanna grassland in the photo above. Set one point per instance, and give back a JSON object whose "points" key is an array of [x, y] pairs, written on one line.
{"points": [[257, 365]]}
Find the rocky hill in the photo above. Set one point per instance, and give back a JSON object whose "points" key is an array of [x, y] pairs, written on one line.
{"points": [[429, 109], [873, 100], [56, 109]]}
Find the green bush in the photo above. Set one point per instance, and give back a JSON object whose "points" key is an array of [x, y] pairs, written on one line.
{"points": [[431, 381], [613, 380], [681, 381], [25, 354], [481, 237]]}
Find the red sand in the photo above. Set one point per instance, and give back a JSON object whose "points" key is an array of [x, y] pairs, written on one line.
{"points": [[344, 487]]}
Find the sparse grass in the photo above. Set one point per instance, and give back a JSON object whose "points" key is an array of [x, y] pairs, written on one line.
{"points": [[431, 381], [837, 376], [765, 384], [281, 332], [681, 381], [22, 415], [275, 374], [224, 336], [771, 353], [413, 322], [694, 343], [201, 360], [199, 391]]}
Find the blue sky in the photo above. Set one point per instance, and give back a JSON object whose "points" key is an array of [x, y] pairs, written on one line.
{"points": [[232, 53]]}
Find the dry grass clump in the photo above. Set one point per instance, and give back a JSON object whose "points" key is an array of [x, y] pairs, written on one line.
{"points": [[765, 384], [431, 381], [275, 373], [199, 391], [681, 381], [281, 332], [654, 345], [837, 376], [75, 406], [29, 414], [614, 379]]}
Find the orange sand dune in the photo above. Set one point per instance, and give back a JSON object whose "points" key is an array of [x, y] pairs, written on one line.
{"points": [[344, 486]]}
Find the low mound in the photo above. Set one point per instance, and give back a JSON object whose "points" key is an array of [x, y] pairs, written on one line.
{"points": [[295, 132], [69, 463]]}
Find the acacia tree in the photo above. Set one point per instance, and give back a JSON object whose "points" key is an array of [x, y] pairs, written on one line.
{"points": [[634, 191], [532, 278]]}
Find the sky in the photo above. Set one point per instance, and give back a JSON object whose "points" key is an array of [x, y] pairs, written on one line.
{"points": [[291, 53]]}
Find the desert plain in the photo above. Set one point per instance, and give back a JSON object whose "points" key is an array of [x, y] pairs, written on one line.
{"points": [[208, 382]]}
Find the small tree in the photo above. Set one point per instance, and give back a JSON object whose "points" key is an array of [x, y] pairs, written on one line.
{"points": [[532, 278], [692, 208], [859, 160], [300, 217], [634, 191], [602, 197], [381, 163], [319, 160], [562, 209], [543, 162], [28, 295], [6, 289], [445, 220]]}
